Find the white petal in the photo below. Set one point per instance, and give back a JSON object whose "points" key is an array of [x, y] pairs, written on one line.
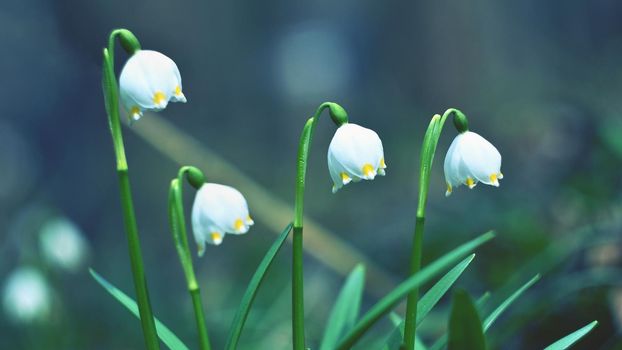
{"points": [[482, 158], [219, 209], [335, 170], [455, 171], [357, 151], [149, 80]]}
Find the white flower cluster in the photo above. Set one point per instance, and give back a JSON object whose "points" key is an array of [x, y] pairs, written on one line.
{"points": [[150, 80]]}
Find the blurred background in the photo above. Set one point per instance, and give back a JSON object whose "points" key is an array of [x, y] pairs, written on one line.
{"points": [[540, 80]]}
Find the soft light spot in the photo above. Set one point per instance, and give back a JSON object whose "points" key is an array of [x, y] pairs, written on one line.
{"points": [[305, 74], [238, 225], [470, 182], [177, 90], [216, 237], [159, 97], [368, 170], [345, 178]]}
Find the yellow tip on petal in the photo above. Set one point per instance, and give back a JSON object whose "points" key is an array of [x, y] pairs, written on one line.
{"points": [[470, 182], [216, 237], [135, 113], [159, 97], [368, 170], [494, 180], [238, 225], [345, 178], [383, 165], [201, 249], [249, 220], [177, 90], [449, 189]]}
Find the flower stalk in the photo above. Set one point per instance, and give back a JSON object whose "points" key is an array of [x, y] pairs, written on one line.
{"points": [[111, 96], [178, 230], [430, 141], [339, 117]]}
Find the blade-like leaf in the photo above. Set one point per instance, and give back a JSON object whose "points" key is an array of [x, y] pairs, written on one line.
{"points": [[251, 291], [481, 301], [440, 343], [465, 326], [428, 301], [567, 341], [346, 309], [394, 343], [390, 300], [504, 305], [164, 333]]}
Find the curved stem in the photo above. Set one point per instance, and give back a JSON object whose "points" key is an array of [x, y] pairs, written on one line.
{"points": [[339, 117], [111, 96], [180, 238], [430, 141]]}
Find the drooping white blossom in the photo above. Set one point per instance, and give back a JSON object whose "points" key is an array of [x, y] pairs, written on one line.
{"points": [[26, 296], [63, 245], [218, 210], [354, 153], [148, 81], [471, 159]]}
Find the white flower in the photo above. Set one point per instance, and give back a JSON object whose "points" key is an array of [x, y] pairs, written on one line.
{"points": [[354, 153], [62, 244], [217, 210], [26, 295], [470, 159], [148, 81]]}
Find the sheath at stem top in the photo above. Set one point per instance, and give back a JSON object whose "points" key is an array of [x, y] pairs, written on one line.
{"points": [[148, 82]]}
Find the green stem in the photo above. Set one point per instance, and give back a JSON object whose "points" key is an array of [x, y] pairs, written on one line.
{"points": [[415, 266], [298, 325], [180, 238], [339, 117], [111, 96], [200, 318], [430, 141]]}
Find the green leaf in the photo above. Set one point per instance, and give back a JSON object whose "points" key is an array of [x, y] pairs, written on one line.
{"points": [[567, 341], [495, 313], [164, 333], [428, 301], [251, 291], [387, 303], [395, 338], [465, 326], [481, 301], [346, 309], [504, 305]]}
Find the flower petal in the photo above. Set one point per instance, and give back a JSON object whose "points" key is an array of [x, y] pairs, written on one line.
{"points": [[149, 80], [219, 209], [482, 158], [357, 152]]}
